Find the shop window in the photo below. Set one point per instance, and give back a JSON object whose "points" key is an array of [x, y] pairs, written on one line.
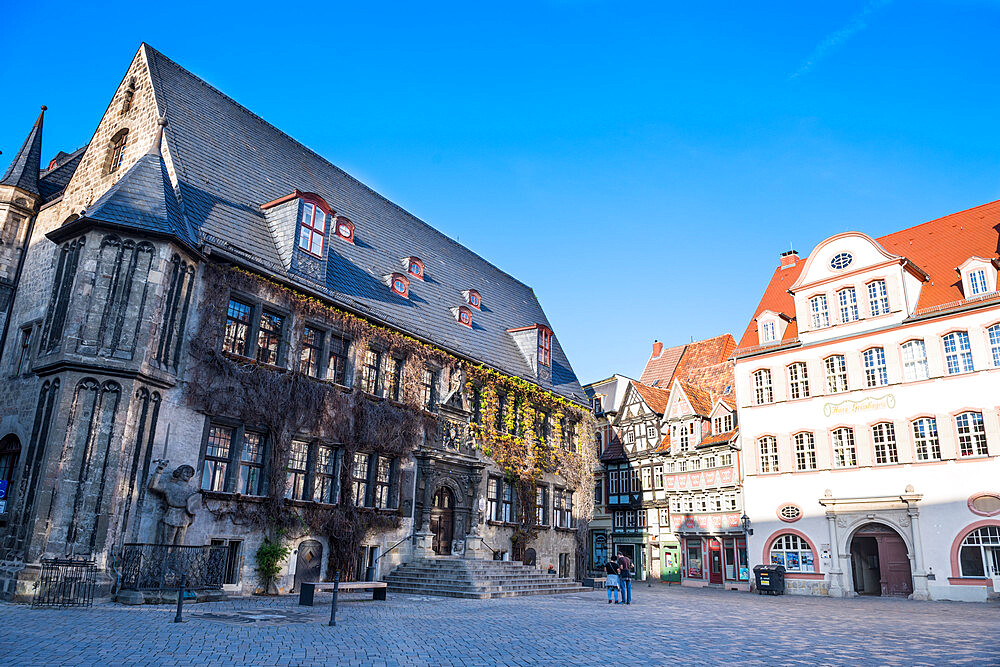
{"points": [[735, 556], [694, 564], [793, 552]]}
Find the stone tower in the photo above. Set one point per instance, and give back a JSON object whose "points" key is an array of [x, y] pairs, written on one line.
{"points": [[19, 200]]}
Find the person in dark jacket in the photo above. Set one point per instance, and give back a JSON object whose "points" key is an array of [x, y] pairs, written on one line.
{"points": [[625, 569], [611, 582]]}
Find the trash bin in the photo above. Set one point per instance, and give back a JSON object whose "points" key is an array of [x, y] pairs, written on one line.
{"points": [[770, 579]]}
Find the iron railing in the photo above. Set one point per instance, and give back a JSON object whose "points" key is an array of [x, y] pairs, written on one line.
{"points": [[146, 567], [65, 582]]}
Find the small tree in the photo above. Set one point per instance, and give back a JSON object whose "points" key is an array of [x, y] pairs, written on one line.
{"points": [[269, 556]]}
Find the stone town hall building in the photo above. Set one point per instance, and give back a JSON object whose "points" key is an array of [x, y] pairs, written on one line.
{"points": [[195, 288]]}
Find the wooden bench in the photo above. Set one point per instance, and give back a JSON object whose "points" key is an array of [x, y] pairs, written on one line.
{"points": [[595, 582], [307, 589]]}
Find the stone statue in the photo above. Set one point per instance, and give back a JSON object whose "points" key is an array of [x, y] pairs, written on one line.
{"points": [[180, 498]]}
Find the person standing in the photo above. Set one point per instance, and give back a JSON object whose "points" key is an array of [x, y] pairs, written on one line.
{"points": [[625, 568], [611, 582]]}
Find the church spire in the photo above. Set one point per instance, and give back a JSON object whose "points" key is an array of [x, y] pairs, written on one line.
{"points": [[23, 171]]}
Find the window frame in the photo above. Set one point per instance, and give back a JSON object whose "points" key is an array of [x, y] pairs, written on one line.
{"points": [[371, 371], [798, 380], [885, 448], [544, 346], [959, 359], [980, 286], [926, 440], [875, 367], [767, 454], [233, 462], [763, 386], [804, 446], [311, 354], [971, 437], [787, 543], [993, 341], [846, 445], [819, 311], [836, 377], [848, 306], [878, 297], [310, 230], [116, 149], [912, 363]]}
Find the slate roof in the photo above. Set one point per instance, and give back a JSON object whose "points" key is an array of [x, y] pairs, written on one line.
{"points": [[229, 161], [142, 199], [24, 169], [54, 181], [937, 247]]}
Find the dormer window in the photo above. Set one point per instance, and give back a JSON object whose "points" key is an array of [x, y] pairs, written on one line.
{"points": [[399, 284], [768, 332], [977, 282], [979, 276], [544, 346], [312, 229], [344, 228], [473, 298], [464, 316], [414, 267]]}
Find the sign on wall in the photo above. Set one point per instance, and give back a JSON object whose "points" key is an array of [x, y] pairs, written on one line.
{"points": [[849, 407]]}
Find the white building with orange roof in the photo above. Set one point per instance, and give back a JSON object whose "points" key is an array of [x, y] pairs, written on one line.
{"points": [[869, 391]]}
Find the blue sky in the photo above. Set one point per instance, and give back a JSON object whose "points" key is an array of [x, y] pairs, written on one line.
{"points": [[639, 165]]}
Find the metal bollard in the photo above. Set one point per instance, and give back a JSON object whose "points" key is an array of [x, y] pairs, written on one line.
{"points": [[333, 605], [180, 601]]}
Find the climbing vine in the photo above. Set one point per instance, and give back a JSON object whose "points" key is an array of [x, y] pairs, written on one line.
{"points": [[287, 403]]}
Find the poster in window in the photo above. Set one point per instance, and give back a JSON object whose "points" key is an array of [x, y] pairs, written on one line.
{"points": [[807, 562], [791, 561], [777, 558], [744, 573]]}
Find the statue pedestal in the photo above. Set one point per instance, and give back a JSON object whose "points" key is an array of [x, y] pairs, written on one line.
{"points": [[474, 547], [423, 545]]}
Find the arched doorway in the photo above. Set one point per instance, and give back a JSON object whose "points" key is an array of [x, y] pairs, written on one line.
{"points": [[879, 562], [443, 520], [308, 562]]}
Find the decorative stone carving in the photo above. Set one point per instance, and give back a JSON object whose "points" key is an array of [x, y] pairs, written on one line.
{"points": [[181, 501]]}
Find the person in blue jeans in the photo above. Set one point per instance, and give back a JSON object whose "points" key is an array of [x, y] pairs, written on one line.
{"points": [[625, 577]]}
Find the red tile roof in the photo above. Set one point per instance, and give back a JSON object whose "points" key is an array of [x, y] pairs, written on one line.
{"points": [[718, 439], [660, 369], [655, 398], [938, 247]]}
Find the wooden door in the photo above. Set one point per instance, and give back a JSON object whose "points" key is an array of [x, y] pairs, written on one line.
{"points": [[442, 521], [894, 565], [308, 562], [714, 562]]}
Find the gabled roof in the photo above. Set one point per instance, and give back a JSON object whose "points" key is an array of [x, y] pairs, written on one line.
{"points": [[23, 171], [229, 161], [660, 368], [717, 380], [937, 247], [655, 398], [54, 181], [700, 399], [702, 353]]}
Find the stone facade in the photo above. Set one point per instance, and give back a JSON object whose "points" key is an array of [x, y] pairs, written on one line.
{"points": [[101, 397]]}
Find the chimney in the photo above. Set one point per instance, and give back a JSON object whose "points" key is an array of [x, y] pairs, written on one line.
{"points": [[657, 349], [789, 257]]}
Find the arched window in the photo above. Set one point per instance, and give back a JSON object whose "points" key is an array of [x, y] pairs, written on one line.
{"points": [[994, 336], [768, 454], [915, 361], [762, 391], [474, 299], [464, 316], [793, 552], [10, 451], [958, 352], [415, 267], [344, 228], [117, 149], [980, 553], [400, 285], [798, 380], [836, 374]]}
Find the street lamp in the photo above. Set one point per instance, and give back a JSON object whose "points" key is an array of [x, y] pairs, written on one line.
{"points": [[745, 520]]}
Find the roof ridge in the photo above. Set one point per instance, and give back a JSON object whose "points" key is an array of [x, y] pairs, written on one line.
{"points": [[382, 197], [937, 219]]}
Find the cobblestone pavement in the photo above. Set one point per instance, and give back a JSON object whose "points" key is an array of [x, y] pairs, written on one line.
{"points": [[663, 626]]}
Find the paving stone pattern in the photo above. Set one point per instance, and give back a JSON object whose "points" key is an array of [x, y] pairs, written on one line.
{"points": [[662, 626]]}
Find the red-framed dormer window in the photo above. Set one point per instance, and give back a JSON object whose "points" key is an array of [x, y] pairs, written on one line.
{"points": [[415, 267], [465, 316], [312, 228], [400, 285], [544, 346], [475, 299], [344, 228]]}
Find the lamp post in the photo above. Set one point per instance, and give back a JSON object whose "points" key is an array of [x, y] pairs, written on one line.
{"points": [[745, 521]]}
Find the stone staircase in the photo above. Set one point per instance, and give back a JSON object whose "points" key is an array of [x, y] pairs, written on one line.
{"points": [[480, 579]]}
